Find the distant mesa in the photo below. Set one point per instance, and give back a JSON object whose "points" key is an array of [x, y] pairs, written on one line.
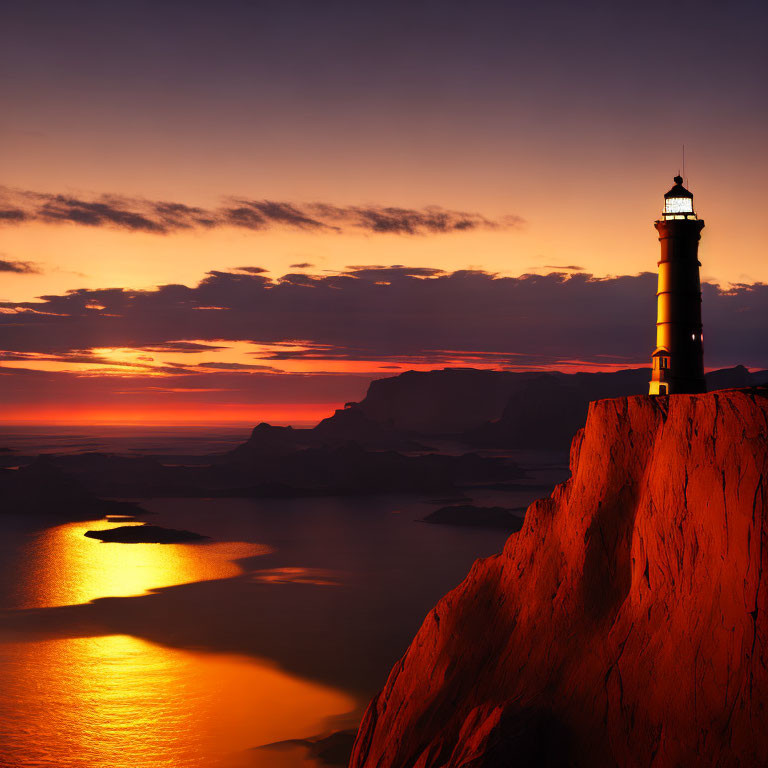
{"points": [[500, 409], [346, 425], [469, 515], [269, 440], [145, 534]]}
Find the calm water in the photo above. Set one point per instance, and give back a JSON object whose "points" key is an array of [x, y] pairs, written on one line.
{"points": [[32, 439], [144, 655]]}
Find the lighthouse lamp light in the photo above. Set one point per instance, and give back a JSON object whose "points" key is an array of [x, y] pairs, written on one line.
{"points": [[678, 202], [678, 205]]}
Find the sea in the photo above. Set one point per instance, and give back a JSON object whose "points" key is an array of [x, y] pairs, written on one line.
{"points": [[234, 653]]}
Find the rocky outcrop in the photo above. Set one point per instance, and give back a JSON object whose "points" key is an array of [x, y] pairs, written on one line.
{"points": [[625, 624], [351, 424], [347, 425], [145, 534], [268, 440]]}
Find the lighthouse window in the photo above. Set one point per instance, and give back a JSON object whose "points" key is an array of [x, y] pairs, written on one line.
{"points": [[678, 205]]}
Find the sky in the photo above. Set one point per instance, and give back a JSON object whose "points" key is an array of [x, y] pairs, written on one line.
{"points": [[237, 211]]}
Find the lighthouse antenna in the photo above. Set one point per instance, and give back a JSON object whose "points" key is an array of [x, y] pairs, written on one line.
{"points": [[683, 173]]}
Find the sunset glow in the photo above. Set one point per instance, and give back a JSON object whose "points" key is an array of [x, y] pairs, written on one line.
{"points": [[159, 218], [159, 414]]}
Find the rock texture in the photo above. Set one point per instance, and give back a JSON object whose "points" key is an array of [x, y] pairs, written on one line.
{"points": [[625, 624]]}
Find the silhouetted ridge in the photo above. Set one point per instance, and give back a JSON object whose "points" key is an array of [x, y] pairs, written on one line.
{"points": [[504, 409], [440, 402]]}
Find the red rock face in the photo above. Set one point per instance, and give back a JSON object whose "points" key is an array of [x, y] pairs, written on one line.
{"points": [[625, 624]]}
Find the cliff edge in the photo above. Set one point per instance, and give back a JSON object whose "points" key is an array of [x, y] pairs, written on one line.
{"points": [[625, 624]]}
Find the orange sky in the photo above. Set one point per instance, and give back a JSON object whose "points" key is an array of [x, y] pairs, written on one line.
{"points": [[602, 222], [601, 232], [571, 118]]}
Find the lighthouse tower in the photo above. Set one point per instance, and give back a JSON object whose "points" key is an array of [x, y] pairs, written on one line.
{"points": [[678, 361]]}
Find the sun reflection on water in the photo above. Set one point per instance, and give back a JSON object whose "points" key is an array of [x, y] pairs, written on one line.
{"points": [[121, 702], [118, 701], [64, 567]]}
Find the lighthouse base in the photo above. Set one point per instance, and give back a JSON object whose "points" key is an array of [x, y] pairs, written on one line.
{"points": [[678, 387]]}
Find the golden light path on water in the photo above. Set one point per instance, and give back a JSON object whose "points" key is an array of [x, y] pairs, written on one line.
{"points": [[118, 701], [68, 568]]}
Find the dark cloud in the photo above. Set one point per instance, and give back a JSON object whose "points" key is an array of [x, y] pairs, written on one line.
{"points": [[59, 208], [394, 271], [252, 270], [189, 347], [406, 221], [261, 212], [565, 267], [17, 356], [238, 367], [159, 217], [300, 278], [13, 215], [179, 216], [302, 265], [393, 315], [19, 267]]}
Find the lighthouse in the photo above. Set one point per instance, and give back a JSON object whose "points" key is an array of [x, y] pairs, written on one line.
{"points": [[678, 360]]}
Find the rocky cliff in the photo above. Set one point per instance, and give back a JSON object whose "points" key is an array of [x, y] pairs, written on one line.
{"points": [[625, 624]]}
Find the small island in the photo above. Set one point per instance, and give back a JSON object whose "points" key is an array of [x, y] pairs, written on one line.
{"points": [[478, 517], [146, 534]]}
